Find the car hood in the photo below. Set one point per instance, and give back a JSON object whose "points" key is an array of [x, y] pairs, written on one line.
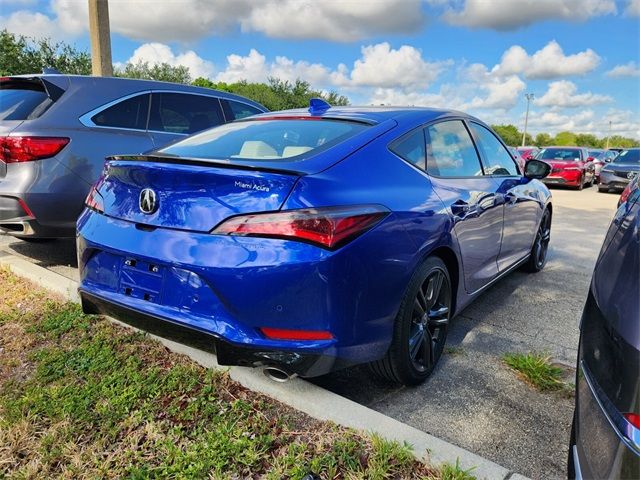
{"points": [[622, 167], [562, 165]]}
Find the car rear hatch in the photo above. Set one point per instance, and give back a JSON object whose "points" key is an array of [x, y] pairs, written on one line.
{"points": [[187, 195], [23, 99], [243, 167]]}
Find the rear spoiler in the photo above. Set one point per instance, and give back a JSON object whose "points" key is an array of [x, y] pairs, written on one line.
{"points": [[205, 162]]}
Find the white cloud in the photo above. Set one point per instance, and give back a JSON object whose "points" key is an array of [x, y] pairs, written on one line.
{"points": [[499, 92], [627, 70], [155, 53], [563, 94], [255, 68], [30, 24], [623, 122], [333, 20], [379, 66], [189, 20], [548, 62], [382, 66], [512, 14], [633, 8]]}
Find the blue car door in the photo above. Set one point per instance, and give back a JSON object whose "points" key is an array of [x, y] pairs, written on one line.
{"points": [[522, 208], [471, 197]]}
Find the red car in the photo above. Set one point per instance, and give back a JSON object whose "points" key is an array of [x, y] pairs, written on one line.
{"points": [[570, 166], [528, 152]]}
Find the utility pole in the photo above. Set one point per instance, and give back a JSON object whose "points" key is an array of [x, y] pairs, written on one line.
{"points": [[529, 97], [609, 136], [100, 38]]}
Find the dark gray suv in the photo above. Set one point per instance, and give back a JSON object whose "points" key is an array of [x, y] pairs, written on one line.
{"points": [[56, 130]]}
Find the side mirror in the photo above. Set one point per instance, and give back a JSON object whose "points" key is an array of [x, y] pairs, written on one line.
{"points": [[536, 169]]}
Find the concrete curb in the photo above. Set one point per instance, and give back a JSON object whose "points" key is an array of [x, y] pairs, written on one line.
{"points": [[297, 393]]}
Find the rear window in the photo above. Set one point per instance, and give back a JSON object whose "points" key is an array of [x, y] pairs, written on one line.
{"points": [[268, 140], [22, 101], [560, 154]]}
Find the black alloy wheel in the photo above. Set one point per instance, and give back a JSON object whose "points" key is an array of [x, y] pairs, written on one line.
{"points": [[421, 326], [429, 321], [538, 256]]}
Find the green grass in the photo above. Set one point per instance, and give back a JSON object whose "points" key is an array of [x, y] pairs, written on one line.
{"points": [[83, 398], [537, 370], [454, 350], [455, 472]]}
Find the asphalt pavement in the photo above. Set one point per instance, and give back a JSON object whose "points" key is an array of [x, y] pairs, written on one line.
{"points": [[472, 400]]}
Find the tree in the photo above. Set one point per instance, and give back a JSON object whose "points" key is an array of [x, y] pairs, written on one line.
{"points": [[543, 140], [565, 139], [509, 134], [276, 94], [587, 140], [160, 71], [22, 55]]}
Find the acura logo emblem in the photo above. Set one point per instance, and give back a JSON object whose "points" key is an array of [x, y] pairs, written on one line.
{"points": [[148, 203]]}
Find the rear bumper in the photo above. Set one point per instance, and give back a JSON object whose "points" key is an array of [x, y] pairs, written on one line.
{"points": [[600, 451], [293, 362], [228, 288], [16, 218]]}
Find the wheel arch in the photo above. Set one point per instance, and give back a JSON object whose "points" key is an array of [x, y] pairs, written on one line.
{"points": [[448, 256]]}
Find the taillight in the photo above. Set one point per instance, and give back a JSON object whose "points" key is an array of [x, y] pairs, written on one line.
{"points": [[282, 334], [329, 227], [27, 149], [94, 200], [633, 419], [625, 194]]}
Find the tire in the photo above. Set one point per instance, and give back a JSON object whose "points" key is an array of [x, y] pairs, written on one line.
{"points": [[538, 256], [581, 184], [602, 189], [420, 328]]}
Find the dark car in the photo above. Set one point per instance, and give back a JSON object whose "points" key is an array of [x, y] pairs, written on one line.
{"points": [[56, 130], [616, 175], [605, 436], [571, 166], [308, 240]]}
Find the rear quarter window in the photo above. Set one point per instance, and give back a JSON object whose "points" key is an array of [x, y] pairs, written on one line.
{"points": [[268, 140]]}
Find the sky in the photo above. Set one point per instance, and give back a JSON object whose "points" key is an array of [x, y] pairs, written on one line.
{"points": [[580, 58]]}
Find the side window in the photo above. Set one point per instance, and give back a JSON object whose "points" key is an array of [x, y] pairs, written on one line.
{"points": [[496, 158], [129, 113], [184, 113], [450, 151], [242, 110], [411, 147]]}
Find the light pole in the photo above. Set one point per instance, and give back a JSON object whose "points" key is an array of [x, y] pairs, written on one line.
{"points": [[609, 136], [100, 38], [529, 97]]}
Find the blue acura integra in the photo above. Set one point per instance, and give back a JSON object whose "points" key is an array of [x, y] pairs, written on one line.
{"points": [[304, 241]]}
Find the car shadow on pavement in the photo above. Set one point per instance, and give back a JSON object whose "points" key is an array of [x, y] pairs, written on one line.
{"points": [[46, 253]]}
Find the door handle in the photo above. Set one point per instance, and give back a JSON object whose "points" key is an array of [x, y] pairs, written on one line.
{"points": [[510, 198], [459, 207]]}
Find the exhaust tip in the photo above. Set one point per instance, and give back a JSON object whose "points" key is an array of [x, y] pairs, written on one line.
{"points": [[276, 374]]}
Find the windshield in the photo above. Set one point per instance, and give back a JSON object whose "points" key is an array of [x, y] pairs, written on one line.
{"points": [[559, 154], [268, 140], [599, 154], [629, 156]]}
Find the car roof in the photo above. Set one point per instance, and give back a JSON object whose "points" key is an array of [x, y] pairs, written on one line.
{"points": [[137, 84], [371, 114]]}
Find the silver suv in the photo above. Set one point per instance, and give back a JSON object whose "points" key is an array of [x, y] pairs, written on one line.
{"points": [[56, 130]]}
